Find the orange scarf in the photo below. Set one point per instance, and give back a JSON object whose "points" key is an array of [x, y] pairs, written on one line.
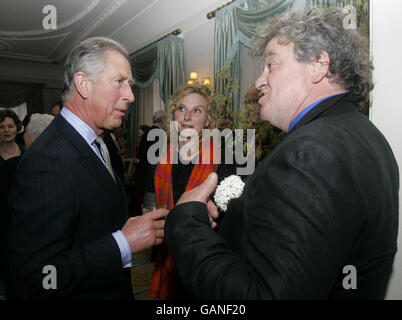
{"points": [[164, 277]]}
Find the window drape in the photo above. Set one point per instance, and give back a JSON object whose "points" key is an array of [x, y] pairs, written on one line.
{"points": [[143, 67], [227, 51], [170, 66], [147, 101]]}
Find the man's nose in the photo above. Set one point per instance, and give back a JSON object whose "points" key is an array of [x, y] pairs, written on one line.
{"points": [[129, 95], [261, 80]]}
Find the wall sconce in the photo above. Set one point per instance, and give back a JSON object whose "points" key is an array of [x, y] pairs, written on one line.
{"points": [[194, 79], [193, 75], [206, 81]]}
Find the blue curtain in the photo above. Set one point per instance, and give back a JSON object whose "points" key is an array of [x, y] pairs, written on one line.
{"points": [[164, 60], [143, 67], [170, 66], [227, 52], [234, 27]]}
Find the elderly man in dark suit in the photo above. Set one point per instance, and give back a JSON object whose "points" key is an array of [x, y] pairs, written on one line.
{"points": [[319, 217], [70, 237]]}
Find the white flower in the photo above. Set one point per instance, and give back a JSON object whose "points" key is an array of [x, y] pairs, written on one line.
{"points": [[230, 188]]}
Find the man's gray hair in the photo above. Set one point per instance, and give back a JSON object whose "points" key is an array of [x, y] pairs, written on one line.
{"points": [[159, 116], [38, 123], [323, 30], [88, 56]]}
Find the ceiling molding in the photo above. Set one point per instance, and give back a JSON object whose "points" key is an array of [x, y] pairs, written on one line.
{"points": [[45, 37], [101, 18], [6, 45], [134, 17], [134, 23], [25, 57], [112, 8]]}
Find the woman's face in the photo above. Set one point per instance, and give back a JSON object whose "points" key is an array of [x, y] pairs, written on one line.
{"points": [[192, 115], [8, 130], [140, 133]]}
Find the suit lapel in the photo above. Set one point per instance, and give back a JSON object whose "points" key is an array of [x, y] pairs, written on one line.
{"points": [[90, 160]]}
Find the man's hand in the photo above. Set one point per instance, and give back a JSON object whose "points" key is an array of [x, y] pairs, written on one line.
{"points": [[145, 231], [201, 194], [212, 213]]}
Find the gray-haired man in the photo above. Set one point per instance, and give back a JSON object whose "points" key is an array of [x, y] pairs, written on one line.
{"points": [[71, 238], [318, 219]]}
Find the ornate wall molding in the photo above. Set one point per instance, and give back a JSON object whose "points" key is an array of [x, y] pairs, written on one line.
{"points": [[112, 8], [6, 45]]}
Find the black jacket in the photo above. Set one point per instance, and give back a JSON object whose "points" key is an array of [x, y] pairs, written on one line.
{"points": [[66, 207]]}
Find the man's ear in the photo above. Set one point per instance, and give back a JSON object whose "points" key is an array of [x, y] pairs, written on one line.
{"points": [[320, 67], [82, 84]]}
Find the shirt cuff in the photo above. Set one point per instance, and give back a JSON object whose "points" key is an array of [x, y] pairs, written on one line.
{"points": [[125, 251]]}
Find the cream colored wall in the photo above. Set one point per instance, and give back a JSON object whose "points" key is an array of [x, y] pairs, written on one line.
{"points": [[386, 111], [199, 50]]}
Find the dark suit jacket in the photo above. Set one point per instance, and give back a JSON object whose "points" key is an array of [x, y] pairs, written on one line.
{"points": [[326, 197], [66, 208]]}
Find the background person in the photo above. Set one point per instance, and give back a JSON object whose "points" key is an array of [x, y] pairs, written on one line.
{"points": [[20, 135], [10, 155], [56, 107], [36, 125]]}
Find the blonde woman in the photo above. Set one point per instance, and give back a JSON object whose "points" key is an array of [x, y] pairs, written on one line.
{"points": [[192, 109]]}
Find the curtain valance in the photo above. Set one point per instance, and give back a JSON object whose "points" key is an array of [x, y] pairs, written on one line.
{"points": [[164, 60]]}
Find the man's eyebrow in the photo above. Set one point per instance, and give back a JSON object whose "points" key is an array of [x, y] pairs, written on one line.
{"points": [[129, 79]]}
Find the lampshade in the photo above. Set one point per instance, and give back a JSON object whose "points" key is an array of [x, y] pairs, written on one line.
{"points": [[206, 81], [190, 82], [193, 75]]}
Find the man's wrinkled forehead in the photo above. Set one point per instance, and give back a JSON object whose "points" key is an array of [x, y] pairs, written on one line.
{"points": [[274, 47]]}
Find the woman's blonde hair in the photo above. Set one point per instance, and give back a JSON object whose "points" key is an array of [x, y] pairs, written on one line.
{"points": [[204, 91]]}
